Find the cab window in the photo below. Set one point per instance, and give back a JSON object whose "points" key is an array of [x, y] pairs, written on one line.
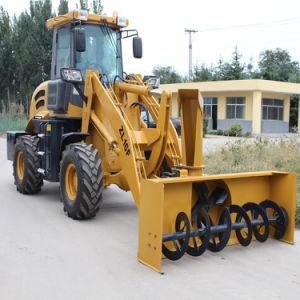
{"points": [[63, 50]]}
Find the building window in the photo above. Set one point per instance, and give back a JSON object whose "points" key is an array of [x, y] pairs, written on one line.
{"points": [[272, 109], [209, 103], [235, 107]]}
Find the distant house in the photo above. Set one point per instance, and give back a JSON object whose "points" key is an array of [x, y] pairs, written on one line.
{"points": [[259, 106]]}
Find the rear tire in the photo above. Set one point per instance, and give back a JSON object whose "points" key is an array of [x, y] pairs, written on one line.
{"points": [[26, 164], [81, 181]]}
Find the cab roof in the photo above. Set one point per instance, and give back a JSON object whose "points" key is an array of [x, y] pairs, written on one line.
{"points": [[85, 17]]}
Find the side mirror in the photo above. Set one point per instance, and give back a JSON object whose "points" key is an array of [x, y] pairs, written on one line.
{"points": [[79, 39], [137, 47]]}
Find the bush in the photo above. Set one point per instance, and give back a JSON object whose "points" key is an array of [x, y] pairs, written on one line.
{"points": [[12, 122], [247, 134], [258, 155], [235, 130], [205, 124], [220, 132], [212, 132]]}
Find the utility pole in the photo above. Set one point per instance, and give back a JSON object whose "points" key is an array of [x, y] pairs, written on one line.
{"points": [[190, 31]]}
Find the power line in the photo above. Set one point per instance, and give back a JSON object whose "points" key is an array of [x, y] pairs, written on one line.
{"points": [[270, 23]]}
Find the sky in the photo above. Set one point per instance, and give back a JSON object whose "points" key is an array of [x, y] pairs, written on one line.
{"points": [[253, 26]]}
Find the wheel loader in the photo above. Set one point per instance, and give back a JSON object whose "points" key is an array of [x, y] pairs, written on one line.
{"points": [[86, 132]]}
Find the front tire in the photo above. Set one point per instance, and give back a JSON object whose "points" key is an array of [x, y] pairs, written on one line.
{"points": [[81, 181], [26, 164]]}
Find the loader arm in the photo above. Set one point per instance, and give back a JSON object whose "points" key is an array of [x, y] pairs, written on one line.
{"points": [[105, 111], [124, 144]]}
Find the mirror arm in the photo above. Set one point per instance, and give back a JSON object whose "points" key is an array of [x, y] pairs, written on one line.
{"points": [[127, 31], [80, 92]]}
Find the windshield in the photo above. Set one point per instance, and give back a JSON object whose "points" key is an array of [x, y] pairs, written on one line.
{"points": [[103, 51]]}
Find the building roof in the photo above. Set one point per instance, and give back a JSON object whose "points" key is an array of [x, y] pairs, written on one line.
{"points": [[236, 86]]}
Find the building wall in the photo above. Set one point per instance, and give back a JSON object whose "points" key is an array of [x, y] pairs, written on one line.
{"points": [[223, 122], [252, 121], [285, 98], [227, 123], [272, 126]]}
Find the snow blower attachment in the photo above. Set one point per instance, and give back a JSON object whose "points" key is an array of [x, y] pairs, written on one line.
{"points": [[93, 125], [193, 213], [228, 209]]}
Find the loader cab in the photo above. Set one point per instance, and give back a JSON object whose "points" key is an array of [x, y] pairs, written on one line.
{"points": [[87, 46], [84, 47]]}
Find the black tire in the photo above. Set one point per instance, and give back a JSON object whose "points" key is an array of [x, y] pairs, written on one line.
{"points": [[88, 196], [32, 180]]}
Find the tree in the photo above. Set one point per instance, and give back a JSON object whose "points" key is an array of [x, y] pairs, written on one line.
{"points": [[278, 65], [236, 68], [6, 62], [202, 73], [83, 4], [63, 7], [167, 74], [232, 70], [97, 7], [32, 48], [220, 72]]}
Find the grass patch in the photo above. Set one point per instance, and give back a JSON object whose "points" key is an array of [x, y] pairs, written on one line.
{"points": [[261, 155], [12, 122]]}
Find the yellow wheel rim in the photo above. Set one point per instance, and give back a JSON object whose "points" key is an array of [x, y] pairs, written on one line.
{"points": [[20, 165], [71, 181]]}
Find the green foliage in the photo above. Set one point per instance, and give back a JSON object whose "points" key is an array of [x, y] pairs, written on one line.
{"points": [[278, 65], [202, 73], [97, 7], [236, 68], [83, 4], [25, 50], [294, 111], [205, 124], [31, 53], [218, 71], [12, 122], [258, 155], [235, 130], [226, 132], [247, 134], [167, 74], [273, 65], [63, 7], [6, 61], [232, 70], [220, 132]]}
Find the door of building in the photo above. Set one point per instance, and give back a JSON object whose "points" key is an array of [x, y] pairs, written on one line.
{"points": [[211, 109]]}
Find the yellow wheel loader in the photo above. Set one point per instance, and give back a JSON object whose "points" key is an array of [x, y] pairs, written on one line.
{"points": [[85, 131]]}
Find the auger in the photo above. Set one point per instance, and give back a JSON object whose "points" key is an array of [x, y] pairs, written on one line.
{"points": [[245, 220]]}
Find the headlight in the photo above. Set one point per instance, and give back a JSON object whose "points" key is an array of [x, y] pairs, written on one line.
{"points": [[122, 22], [83, 15], [71, 75]]}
